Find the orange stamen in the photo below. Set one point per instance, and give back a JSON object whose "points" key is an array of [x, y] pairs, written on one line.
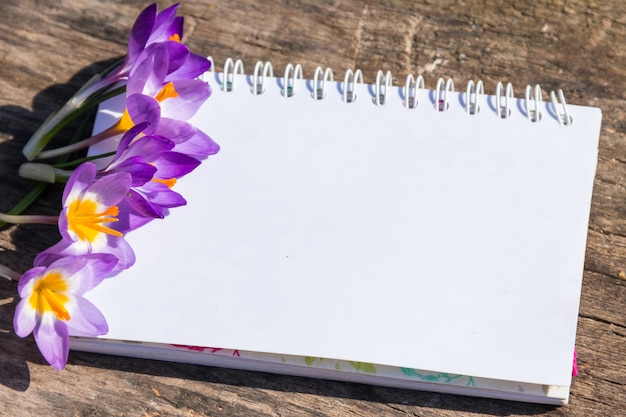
{"points": [[175, 37], [49, 296], [83, 219], [170, 182]]}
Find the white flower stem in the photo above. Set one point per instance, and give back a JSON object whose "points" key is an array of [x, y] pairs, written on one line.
{"points": [[28, 218], [85, 143], [9, 273]]}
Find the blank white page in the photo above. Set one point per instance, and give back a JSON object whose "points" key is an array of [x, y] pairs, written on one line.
{"points": [[432, 240]]}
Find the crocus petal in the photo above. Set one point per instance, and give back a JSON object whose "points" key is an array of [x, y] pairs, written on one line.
{"points": [[142, 109], [56, 251], [194, 66], [197, 144], [80, 179], [93, 269], [167, 24], [191, 95], [25, 318], [141, 31], [122, 251], [162, 196], [129, 219], [139, 170], [110, 189], [53, 340], [127, 138], [141, 206], [147, 146], [174, 164], [86, 320]]}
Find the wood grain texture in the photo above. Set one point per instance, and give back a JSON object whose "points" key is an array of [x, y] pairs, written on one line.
{"points": [[49, 48]]}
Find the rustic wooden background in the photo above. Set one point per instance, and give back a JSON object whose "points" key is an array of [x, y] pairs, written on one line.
{"points": [[48, 48]]}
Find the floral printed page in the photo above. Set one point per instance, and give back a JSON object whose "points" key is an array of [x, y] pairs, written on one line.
{"points": [[411, 238]]}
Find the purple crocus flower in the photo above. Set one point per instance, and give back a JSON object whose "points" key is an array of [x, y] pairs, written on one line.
{"points": [[152, 27], [166, 105], [52, 306], [89, 205], [154, 169]]}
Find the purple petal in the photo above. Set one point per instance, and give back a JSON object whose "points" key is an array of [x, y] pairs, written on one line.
{"points": [[86, 320], [141, 30], [191, 95], [111, 188], [56, 251], [128, 138], [148, 146], [80, 179], [142, 206], [174, 164], [142, 108], [199, 145], [129, 219], [64, 225], [93, 269], [25, 318], [53, 340], [162, 196], [125, 255], [139, 170], [194, 66], [167, 24], [140, 74], [175, 54]]}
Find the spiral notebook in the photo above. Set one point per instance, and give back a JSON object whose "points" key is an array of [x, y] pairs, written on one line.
{"points": [[387, 234]]}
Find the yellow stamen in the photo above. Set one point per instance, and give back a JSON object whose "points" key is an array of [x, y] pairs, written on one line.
{"points": [[168, 91], [170, 182], [175, 38], [49, 296], [83, 219]]}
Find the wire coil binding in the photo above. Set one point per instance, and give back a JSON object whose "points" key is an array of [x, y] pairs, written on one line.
{"points": [[413, 88], [289, 80], [349, 80]]}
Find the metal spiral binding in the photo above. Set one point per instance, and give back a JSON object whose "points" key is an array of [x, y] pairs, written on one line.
{"points": [[474, 92], [381, 88], [504, 110], [564, 118], [410, 90], [349, 80], [289, 80], [319, 84], [441, 94], [533, 114], [258, 79]]}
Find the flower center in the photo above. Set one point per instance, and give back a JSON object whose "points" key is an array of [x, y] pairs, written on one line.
{"points": [[49, 296], [175, 37], [168, 91], [84, 220]]}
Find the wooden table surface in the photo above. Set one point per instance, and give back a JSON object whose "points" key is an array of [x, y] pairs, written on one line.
{"points": [[49, 48]]}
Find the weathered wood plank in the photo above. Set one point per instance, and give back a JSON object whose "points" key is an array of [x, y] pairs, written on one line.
{"points": [[49, 48]]}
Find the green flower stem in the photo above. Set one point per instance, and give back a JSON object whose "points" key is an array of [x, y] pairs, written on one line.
{"points": [[9, 273], [29, 199], [62, 118], [79, 161]]}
